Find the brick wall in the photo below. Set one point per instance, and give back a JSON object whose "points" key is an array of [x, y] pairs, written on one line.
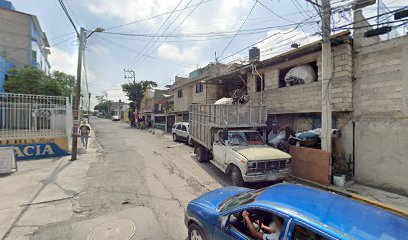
{"points": [[307, 97]]}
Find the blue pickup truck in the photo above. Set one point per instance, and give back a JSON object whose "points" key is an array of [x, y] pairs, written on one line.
{"points": [[303, 213]]}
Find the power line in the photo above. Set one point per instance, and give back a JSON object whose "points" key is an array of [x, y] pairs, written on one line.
{"points": [[365, 19], [207, 34], [61, 2], [63, 41], [148, 18], [140, 60], [263, 40], [274, 13], [158, 30], [229, 43], [185, 18], [138, 52], [60, 36]]}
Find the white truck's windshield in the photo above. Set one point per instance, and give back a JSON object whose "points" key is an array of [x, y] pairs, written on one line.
{"points": [[241, 138]]}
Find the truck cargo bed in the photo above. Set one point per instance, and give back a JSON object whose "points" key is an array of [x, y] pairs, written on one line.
{"points": [[204, 118]]}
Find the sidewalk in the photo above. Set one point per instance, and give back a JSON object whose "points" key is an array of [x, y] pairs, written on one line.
{"points": [[42, 192], [392, 202]]}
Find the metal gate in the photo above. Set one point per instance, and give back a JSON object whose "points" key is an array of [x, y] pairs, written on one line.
{"points": [[34, 116]]}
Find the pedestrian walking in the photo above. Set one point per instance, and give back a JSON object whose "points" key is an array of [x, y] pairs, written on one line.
{"points": [[131, 118], [84, 130]]}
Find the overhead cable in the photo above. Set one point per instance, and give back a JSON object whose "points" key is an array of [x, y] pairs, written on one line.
{"points": [[229, 43]]}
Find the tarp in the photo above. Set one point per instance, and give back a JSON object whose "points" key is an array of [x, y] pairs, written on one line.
{"points": [[300, 75]]}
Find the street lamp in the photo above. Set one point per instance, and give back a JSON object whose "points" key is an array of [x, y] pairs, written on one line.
{"points": [[82, 40]]}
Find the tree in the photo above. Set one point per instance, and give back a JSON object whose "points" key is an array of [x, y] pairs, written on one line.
{"points": [[29, 80], [135, 91], [103, 106], [67, 83]]}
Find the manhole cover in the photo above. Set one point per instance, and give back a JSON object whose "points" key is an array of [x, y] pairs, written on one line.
{"points": [[119, 229]]}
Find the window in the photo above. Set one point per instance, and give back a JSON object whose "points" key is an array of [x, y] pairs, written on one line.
{"points": [[272, 224], [300, 233], [34, 57], [183, 128], [240, 200], [284, 71], [178, 127], [199, 87], [260, 85], [180, 93]]}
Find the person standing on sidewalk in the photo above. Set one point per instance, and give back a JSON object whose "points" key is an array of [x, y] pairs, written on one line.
{"points": [[84, 130]]}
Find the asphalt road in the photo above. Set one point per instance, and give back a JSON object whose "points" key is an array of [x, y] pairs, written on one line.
{"points": [[139, 168]]}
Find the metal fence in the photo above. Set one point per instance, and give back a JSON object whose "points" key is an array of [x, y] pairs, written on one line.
{"points": [[30, 116]]}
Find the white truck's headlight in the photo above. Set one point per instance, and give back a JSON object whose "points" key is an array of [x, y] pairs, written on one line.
{"points": [[251, 164], [289, 161]]}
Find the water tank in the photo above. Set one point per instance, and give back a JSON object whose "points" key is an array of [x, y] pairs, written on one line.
{"points": [[254, 54]]}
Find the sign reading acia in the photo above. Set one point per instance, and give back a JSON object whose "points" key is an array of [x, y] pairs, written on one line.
{"points": [[34, 149]]}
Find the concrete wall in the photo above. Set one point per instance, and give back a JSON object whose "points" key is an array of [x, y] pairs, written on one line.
{"points": [[380, 104], [182, 104], [15, 37], [306, 97]]}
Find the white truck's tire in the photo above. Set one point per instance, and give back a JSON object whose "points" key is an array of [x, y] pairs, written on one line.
{"points": [[201, 154], [236, 177]]}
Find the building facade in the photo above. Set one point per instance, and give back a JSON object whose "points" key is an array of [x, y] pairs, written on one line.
{"points": [[22, 41]]}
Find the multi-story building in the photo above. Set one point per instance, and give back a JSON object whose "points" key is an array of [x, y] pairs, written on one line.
{"points": [[22, 41], [195, 89]]}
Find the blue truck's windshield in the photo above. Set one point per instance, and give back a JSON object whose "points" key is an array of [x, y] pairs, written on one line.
{"points": [[240, 200]]}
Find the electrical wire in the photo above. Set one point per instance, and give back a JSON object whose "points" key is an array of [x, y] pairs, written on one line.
{"points": [[274, 13], [139, 58], [148, 18], [158, 30], [229, 43], [61, 2], [207, 34], [185, 18], [63, 41], [138, 52], [262, 40]]}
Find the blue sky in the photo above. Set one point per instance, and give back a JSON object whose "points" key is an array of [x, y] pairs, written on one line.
{"points": [[107, 54]]}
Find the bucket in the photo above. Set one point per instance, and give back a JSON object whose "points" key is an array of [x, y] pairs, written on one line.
{"points": [[339, 180]]}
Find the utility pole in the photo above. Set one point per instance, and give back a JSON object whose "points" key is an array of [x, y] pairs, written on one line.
{"points": [[326, 78], [129, 74], [76, 112], [89, 106]]}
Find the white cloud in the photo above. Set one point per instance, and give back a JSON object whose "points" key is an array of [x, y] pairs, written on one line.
{"points": [[173, 52], [63, 61]]}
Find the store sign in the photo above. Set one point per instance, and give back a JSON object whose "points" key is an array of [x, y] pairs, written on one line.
{"points": [[37, 150]]}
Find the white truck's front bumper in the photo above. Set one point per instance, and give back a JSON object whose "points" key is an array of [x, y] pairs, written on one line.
{"points": [[264, 177]]}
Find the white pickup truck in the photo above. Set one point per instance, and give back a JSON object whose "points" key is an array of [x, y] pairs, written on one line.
{"points": [[229, 136]]}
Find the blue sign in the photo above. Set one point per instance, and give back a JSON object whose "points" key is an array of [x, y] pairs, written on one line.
{"points": [[37, 150]]}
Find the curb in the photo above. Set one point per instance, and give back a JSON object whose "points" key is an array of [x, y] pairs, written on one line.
{"points": [[356, 197]]}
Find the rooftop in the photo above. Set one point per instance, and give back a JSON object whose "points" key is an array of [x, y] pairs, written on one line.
{"points": [[341, 214]]}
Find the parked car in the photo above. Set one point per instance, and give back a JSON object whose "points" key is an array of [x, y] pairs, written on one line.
{"points": [[305, 213], [180, 132], [115, 118]]}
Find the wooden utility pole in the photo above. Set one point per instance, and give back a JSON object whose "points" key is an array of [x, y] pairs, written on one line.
{"points": [[76, 112], [326, 78]]}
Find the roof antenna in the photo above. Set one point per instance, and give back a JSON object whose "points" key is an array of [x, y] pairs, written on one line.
{"points": [[216, 59]]}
